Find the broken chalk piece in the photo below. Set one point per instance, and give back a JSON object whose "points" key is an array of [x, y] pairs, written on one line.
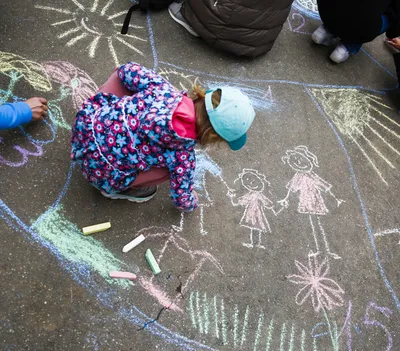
{"points": [[96, 228], [152, 262], [123, 275], [135, 242]]}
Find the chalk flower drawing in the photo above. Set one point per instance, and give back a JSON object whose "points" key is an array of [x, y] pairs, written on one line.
{"points": [[362, 116], [255, 204], [78, 81], [72, 80], [324, 292], [309, 186], [90, 22]]}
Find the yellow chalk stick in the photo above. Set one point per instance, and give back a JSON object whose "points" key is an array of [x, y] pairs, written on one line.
{"points": [[96, 228]]}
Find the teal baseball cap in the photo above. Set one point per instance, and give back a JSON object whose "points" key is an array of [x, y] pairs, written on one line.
{"points": [[232, 117]]}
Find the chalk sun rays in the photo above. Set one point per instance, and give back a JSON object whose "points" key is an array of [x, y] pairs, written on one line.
{"points": [[83, 22], [363, 118]]}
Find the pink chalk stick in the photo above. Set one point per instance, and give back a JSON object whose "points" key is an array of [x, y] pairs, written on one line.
{"points": [[123, 275]]}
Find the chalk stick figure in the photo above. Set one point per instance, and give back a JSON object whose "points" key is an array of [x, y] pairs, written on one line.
{"points": [[309, 187], [204, 165], [255, 204]]}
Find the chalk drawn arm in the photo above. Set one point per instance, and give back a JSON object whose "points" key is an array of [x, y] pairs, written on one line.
{"points": [[285, 202], [276, 212], [339, 201], [232, 195]]}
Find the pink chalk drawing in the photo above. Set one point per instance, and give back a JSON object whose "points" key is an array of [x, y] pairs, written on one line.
{"points": [[78, 81], [161, 296], [255, 204], [172, 237], [309, 186], [324, 292]]}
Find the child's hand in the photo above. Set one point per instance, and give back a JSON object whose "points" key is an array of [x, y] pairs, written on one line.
{"points": [[38, 107], [196, 196]]}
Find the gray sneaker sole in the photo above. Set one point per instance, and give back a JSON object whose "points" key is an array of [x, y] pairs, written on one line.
{"points": [[183, 24], [129, 198]]}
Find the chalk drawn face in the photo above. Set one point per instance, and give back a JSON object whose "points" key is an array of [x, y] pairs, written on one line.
{"points": [[299, 162], [252, 182]]}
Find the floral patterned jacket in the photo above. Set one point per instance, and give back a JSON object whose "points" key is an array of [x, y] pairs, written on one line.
{"points": [[115, 138]]}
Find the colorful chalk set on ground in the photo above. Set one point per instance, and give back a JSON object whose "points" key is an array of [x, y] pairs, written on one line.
{"points": [[135, 242]]}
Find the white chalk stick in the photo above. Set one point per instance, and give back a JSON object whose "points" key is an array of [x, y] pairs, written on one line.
{"points": [[123, 275], [96, 228], [135, 242]]}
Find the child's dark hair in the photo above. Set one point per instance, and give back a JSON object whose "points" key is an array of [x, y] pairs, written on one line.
{"points": [[205, 131]]}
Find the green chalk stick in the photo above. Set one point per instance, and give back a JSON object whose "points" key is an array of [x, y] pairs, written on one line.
{"points": [[152, 262]]}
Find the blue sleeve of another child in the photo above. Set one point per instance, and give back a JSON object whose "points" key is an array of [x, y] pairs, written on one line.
{"points": [[135, 77], [12, 115]]}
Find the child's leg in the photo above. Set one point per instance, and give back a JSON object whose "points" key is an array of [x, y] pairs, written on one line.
{"points": [[152, 177], [114, 86]]}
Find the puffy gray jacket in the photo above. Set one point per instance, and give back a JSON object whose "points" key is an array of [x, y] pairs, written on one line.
{"points": [[243, 27]]}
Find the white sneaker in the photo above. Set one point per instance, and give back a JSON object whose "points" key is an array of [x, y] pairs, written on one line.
{"points": [[340, 54], [322, 37]]}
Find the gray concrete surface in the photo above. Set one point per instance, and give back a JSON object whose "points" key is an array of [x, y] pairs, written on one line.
{"points": [[55, 294]]}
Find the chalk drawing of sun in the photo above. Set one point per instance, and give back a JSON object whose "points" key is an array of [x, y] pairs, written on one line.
{"points": [[93, 24], [307, 7], [362, 118]]}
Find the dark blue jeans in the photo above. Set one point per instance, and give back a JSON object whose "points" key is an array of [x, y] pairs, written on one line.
{"points": [[354, 48]]}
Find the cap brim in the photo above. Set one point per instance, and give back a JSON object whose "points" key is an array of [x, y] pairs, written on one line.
{"points": [[238, 143]]}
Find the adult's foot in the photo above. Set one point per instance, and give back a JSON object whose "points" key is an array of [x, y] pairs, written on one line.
{"points": [[175, 12], [323, 37], [340, 54]]}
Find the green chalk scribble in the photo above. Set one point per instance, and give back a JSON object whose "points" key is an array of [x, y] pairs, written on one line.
{"points": [[76, 248]]}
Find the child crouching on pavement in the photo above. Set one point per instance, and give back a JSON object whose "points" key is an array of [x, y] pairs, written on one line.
{"points": [[139, 131]]}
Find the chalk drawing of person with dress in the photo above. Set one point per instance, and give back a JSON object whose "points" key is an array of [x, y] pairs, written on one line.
{"points": [[255, 204], [309, 187]]}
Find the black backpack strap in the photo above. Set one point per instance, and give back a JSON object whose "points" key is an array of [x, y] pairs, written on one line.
{"points": [[144, 5], [125, 26]]}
